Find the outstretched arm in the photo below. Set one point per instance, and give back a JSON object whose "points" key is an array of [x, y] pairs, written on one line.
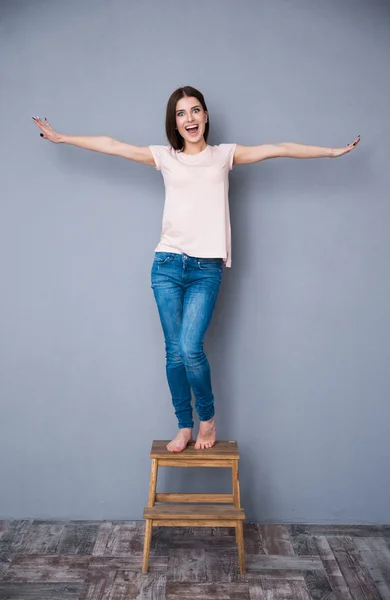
{"points": [[98, 143], [251, 154]]}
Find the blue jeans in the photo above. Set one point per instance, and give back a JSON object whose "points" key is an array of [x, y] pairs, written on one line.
{"points": [[186, 290]]}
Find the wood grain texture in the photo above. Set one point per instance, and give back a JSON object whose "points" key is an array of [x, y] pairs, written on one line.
{"points": [[11, 542], [13, 537], [222, 449], [187, 565], [26, 568], [3, 527], [214, 512], [78, 537], [124, 585], [258, 562], [222, 564], [99, 564], [44, 537], [267, 539], [41, 591], [357, 577], [219, 522], [184, 537], [375, 553], [342, 530], [117, 539], [81, 560], [224, 498], [207, 591], [335, 577], [278, 590], [200, 461]]}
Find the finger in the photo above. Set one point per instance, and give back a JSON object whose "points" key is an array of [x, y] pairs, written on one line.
{"points": [[37, 123], [40, 122], [356, 141]]}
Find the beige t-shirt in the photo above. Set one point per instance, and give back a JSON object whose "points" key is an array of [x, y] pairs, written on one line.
{"points": [[196, 218]]}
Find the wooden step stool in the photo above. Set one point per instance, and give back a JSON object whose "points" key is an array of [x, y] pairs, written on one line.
{"points": [[214, 514]]}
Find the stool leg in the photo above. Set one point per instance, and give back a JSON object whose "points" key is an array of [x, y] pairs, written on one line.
{"points": [[153, 483], [239, 526], [148, 538], [240, 545], [235, 484], [149, 522]]}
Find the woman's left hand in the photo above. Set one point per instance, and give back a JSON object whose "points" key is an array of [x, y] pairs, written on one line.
{"points": [[340, 151]]}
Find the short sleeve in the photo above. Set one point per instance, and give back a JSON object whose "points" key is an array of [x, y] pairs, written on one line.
{"points": [[228, 151], [159, 152]]}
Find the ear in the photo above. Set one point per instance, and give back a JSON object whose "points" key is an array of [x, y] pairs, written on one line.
{"points": [[207, 116]]}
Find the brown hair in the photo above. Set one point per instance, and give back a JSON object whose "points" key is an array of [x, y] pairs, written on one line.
{"points": [[174, 137]]}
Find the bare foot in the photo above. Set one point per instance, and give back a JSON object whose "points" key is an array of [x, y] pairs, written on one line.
{"points": [[207, 435], [184, 436]]}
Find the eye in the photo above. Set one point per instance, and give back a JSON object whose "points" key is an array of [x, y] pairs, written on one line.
{"points": [[197, 109]]}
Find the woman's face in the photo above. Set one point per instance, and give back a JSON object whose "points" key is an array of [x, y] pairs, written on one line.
{"points": [[191, 119]]}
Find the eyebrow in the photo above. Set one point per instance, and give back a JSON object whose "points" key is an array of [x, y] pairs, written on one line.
{"points": [[196, 106]]}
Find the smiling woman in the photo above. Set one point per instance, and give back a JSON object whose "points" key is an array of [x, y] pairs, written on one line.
{"points": [[187, 122], [195, 240]]}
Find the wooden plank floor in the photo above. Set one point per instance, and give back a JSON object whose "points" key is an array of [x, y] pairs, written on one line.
{"points": [[84, 560]]}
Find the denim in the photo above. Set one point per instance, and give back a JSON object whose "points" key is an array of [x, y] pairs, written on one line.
{"points": [[186, 289]]}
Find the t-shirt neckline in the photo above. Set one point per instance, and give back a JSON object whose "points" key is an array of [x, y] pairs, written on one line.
{"points": [[193, 155]]}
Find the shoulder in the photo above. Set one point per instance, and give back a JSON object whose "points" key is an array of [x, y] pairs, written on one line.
{"points": [[226, 151], [160, 153]]}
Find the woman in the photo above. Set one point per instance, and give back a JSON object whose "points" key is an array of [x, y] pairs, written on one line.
{"points": [[195, 240]]}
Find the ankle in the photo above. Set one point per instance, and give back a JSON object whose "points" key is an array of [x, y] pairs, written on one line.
{"points": [[209, 421]]}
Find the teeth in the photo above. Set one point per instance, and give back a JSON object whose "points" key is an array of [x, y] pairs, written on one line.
{"points": [[191, 127]]}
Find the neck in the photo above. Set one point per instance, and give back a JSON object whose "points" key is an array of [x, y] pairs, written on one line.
{"points": [[194, 148]]}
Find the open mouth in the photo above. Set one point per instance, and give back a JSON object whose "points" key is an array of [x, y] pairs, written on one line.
{"points": [[192, 129]]}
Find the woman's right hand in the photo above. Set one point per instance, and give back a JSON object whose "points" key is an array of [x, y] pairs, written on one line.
{"points": [[47, 132]]}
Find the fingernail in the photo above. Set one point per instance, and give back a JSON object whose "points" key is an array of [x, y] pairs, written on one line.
{"points": [[41, 134]]}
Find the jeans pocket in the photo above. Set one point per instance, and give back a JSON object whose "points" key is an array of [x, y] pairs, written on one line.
{"points": [[210, 264], [162, 257]]}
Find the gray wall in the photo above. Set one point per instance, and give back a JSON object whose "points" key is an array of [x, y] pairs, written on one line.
{"points": [[299, 343]]}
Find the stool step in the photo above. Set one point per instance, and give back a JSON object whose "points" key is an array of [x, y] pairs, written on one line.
{"points": [[222, 449], [213, 512]]}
